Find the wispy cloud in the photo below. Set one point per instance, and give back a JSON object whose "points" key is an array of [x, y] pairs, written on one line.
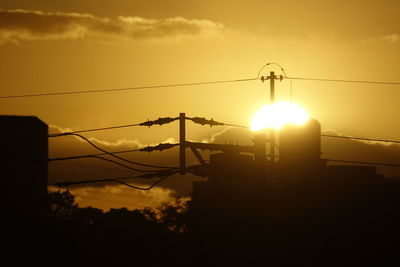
{"points": [[369, 142], [393, 38], [19, 25], [119, 143]]}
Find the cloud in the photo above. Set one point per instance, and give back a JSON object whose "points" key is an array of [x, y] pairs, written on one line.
{"points": [[19, 25], [114, 196], [392, 38], [368, 142], [124, 142]]}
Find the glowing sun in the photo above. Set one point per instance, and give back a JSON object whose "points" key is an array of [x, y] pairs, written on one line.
{"points": [[277, 115]]}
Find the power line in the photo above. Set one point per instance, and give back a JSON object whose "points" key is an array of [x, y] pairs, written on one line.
{"points": [[212, 122], [147, 188], [120, 164], [361, 138], [365, 162], [342, 80], [236, 125], [148, 123], [117, 180], [93, 130], [112, 154], [159, 147], [204, 121], [153, 174], [64, 184], [91, 155], [127, 88], [194, 84]]}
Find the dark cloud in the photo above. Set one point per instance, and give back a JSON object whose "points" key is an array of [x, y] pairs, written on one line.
{"points": [[26, 25]]}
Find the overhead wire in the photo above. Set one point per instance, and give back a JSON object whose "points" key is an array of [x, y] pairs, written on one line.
{"points": [[160, 121], [117, 180], [94, 130], [145, 149], [211, 123], [195, 84], [361, 138], [323, 135], [127, 88], [146, 188], [365, 162], [68, 183], [91, 155], [236, 125], [121, 164], [216, 123], [342, 80], [112, 154]]}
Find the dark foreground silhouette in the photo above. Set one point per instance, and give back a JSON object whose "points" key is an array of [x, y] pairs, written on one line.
{"points": [[356, 234]]}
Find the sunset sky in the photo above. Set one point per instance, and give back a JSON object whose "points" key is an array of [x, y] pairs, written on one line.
{"points": [[57, 46]]}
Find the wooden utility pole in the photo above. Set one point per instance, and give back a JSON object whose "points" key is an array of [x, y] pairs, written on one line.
{"points": [[271, 79], [182, 143]]}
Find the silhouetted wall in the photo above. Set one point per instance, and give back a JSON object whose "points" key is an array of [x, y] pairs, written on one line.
{"points": [[24, 168], [229, 201]]}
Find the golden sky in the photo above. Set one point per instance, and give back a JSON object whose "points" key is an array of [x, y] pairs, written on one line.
{"points": [[48, 46]]}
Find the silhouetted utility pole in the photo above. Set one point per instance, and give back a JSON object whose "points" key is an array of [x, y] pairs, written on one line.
{"points": [[182, 143], [272, 79]]}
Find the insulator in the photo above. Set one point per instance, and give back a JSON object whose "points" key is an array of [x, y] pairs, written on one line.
{"points": [[159, 147], [204, 121], [159, 121]]}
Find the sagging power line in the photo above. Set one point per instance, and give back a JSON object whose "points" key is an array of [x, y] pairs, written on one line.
{"points": [[148, 123], [365, 162], [159, 147], [343, 80], [198, 120], [127, 88], [196, 84], [193, 146], [210, 122], [361, 138], [105, 152], [162, 175]]}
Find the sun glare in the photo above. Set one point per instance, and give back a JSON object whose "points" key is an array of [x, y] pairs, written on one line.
{"points": [[277, 115]]}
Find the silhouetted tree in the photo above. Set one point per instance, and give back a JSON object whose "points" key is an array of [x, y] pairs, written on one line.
{"points": [[88, 215], [173, 215], [61, 205]]}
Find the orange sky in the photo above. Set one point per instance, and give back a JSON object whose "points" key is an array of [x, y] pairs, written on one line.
{"points": [[48, 46]]}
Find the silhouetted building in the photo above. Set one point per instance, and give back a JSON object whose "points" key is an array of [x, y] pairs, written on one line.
{"points": [[298, 204], [24, 166], [300, 146], [233, 188]]}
